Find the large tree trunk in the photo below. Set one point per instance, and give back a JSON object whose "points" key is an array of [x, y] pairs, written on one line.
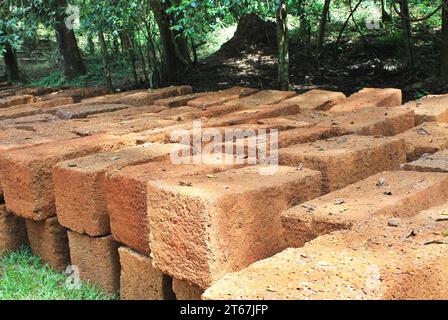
{"points": [[444, 49], [323, 24], [71, 59], [407, 32], [176, 57], [282, 40], [127, 46], [105, 56], [12, 68]]}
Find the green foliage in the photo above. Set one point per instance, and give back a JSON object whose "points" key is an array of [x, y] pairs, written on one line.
{"points": [[23, 277], [204, 24], [16, 23], [54, 78]]}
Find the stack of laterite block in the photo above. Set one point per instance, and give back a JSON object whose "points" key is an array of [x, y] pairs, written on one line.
{"points": [[89, 180]]}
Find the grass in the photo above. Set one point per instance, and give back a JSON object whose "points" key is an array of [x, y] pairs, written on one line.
{"points": [[24, 277], [41, 68]]}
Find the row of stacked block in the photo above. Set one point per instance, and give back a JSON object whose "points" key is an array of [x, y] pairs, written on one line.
{"points": [[87, 180]]}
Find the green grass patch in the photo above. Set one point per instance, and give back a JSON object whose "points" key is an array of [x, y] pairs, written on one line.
{"points": [[24, 277]]}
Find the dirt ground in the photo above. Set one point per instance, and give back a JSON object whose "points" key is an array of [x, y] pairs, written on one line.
{"points": [[352, 65]]}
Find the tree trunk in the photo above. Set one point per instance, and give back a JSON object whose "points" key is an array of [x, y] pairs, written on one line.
{"points": [[444, 49], [127, 47], [194, 48], [116, 45], [385, 17], [323, 24], [282, 41], [142, 59], [91, 44], [71, 59], [12, 68], [105, 56], [407, 32], [176, 57], [155, 79]]}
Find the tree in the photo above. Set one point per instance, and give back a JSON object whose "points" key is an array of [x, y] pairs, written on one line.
{"points": [[12, 67], [10, 37], [385, 17], [176, 57], [407, 31], [444, 49], [323, 24], [71, 60], [282, 42], [105, 57]]}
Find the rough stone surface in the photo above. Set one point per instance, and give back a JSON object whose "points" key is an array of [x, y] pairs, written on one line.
{"points": [[27, 173], [375, 121], [80, 188], [77, 94], [370, 122], [316, 100], [43, 117], [437, 162], [11, 139], [146, 98], [139, 280], [117, 126], [48, 241], [186, 291], [218, 98], [187, 226], [396, 194], [346, 159], [372, 261], [288, 135], [82, 111], [254, 114], [178, 101], [430, 109], [228, 134], [196, 222], [129, 113], [264, 97], [426, 138], [48, 105], [126, 195], [35, 91], [112, 97], [369, 97], [216, 111], [12, 231], [19, 111], [34, 108], [97, 260], [285, 139], [15, 100]]}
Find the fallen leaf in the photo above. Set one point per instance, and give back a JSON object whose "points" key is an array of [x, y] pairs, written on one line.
{"points": [[309, 207], [434, 242], [411, 234]]}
